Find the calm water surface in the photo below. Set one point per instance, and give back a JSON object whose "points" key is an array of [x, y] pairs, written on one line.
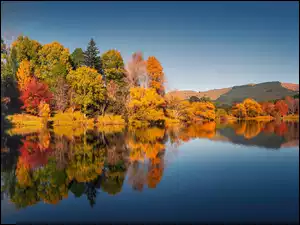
{"points": [[238, 172]]}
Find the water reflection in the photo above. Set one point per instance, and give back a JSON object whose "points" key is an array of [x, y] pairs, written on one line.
{"points": [[49, 164]]}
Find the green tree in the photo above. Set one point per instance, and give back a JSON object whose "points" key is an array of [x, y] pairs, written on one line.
{"points": [[9, 88], [54, 62], [77, 58], [113, 66], [91, 56], [194, 99], [27, 49], [88, 86]]}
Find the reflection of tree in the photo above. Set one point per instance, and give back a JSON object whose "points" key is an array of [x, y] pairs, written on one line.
{"points": [[117, 162], [186, 133], [248, 129], [146, 145], [280, 128], [292, 132], [253, 128], [137, 175], [52, 183], [77, 188], [114, 177], [155, 170], [24, 196], [85, 161]]}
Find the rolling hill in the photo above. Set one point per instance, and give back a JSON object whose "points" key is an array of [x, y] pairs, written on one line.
{"points": [[260, 92]]}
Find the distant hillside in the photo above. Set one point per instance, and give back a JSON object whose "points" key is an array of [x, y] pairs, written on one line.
{"points": [[259, 92]]}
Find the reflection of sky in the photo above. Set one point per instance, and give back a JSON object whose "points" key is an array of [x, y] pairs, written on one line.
{"points": [[201, 45]]}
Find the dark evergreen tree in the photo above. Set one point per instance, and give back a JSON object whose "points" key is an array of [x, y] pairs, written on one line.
{"points": [[91, 56]]}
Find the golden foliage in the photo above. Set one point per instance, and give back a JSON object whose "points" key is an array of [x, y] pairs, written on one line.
{"points": [[24, 74], [145, 105], [156, 75], [252, 107], [110, 120], [20, 120], [74, 119]]}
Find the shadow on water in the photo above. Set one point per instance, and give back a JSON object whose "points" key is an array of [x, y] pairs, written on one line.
{"points": [[46, 165]]}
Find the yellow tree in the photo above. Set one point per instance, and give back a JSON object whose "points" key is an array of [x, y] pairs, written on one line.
{"points": [[239, 110], [145, 105], [88, 86], [177, 108], [156, 75], [24, 74], [202, 111], [27, 49], [252, 107], [54, 62]]}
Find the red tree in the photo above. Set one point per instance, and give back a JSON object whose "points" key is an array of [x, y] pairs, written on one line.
{"points": [[34, 94], [281, 107], [291, 104], [268, 108]]}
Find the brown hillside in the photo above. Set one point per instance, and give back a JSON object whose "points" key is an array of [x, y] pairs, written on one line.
{"points": [[212, 94], [293, 87], [260, 92]]}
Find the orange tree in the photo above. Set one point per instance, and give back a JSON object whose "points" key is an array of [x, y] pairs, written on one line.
{"points": [[156, 75]]}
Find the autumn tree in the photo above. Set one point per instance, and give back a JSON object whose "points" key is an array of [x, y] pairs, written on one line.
{"points": [[281, 108], [156, 75], [91, 56], [292, 104], [54, 62], [145, 105], [61, 97], [88, 86], [202, 111], [177, 108], [239, 110], [24, 74], [44, 110], [136, 71], [113, 66], [296, 105], [115, 98], [77, 58], [252, 107], [221, 113], [33, 94], [27, 49], [268, 108]]}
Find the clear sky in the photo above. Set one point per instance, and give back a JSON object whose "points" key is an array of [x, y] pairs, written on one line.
{"points": [[201, 45]]}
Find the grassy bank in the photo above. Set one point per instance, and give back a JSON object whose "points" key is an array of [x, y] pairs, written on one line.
{"points": [[291, 118], [25, 120]]}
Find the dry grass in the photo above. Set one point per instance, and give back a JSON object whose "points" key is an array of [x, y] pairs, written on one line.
{"points": [[110, 120], [25, 120], [260, 118], [24, 130], [74, 119], [291, 118], [111, 128]]}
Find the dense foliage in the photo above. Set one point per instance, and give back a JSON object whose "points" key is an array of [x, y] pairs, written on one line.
{"points": [[104, 85]]}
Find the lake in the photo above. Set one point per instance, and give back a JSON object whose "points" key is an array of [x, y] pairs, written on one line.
{"points": [[230, 172]]}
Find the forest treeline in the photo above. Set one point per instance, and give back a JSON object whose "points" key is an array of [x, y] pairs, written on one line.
{"points": [[48, 81]]}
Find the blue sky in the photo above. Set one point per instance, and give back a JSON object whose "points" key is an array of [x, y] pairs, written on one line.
{"points": [[201, 45]]}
